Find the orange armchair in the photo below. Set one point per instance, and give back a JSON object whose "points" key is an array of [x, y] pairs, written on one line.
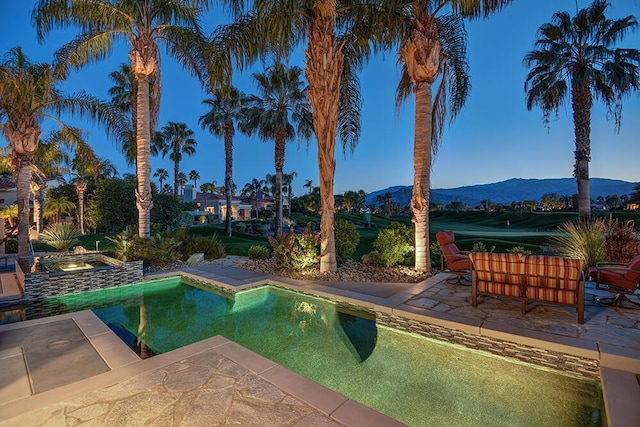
{"points": [[456, 261], [618, 278]]}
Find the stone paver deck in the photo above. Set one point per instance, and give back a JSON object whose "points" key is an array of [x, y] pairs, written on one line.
{"points": [[219, 382]]}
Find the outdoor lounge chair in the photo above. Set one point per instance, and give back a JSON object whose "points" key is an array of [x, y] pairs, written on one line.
{"points": [[618, 278], [455, 260]]}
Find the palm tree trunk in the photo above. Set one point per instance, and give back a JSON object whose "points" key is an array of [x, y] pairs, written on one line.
{"points": [[582, 102], [80, 189], [23, 191], [228, 175], [280, 141], [324, 69], [421, 175], [143, 68], [176, 171]]}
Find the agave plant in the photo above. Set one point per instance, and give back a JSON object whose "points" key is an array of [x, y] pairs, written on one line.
{"points": [[580, 240], [61, 236]]}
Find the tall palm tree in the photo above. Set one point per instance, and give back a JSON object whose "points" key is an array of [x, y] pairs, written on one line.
{"points": [[194, 176], [308, 184], [577, 58], [175, 139], [332, 57], [123, 95], [142, 24], [29, 93], [208, 187], [162, 174], [225, 111], [58, 205], [84, 165], [432, 50], [279, 113]]}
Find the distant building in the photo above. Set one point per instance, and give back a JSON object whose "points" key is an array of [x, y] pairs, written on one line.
{"points": [[8, 194]]}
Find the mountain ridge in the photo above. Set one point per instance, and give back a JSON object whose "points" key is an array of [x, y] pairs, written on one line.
{"points": [[510, 190]]}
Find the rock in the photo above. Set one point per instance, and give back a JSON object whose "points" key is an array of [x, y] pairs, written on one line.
{"points": [[195, 259], [79, 250]]}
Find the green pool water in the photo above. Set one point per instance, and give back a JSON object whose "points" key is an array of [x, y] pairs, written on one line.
{"points": [[417, 381]]}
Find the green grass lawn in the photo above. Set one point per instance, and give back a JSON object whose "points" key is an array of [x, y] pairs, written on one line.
{"points": [[530, 230]]}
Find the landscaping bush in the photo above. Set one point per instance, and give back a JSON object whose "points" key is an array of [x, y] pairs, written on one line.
{"points": [[240, 227], [296, 251], [481, 247], [157, 250], [190, 244], [258, 253], [394, 245], [620, 243], [519, 250], [347, 239], [60, 236], [580, 240]]}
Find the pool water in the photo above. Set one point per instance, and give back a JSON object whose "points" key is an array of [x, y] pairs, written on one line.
{"points": [[412, 379]]}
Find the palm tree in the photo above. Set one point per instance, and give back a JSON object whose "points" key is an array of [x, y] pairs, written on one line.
{"points": [[208, 187], [577, 58], [288, 184], [29, 93], [253, 190], [175, 139], [181, 180], [58, 205], [432, 50], [332, 57], [279, 113], [308, 184], [142, 25], [194, 176], [225, 111], [162, 175], [84, 165], [123, 95]]}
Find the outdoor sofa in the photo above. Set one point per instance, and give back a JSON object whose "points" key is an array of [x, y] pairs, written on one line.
{"points": [[540, 278]]}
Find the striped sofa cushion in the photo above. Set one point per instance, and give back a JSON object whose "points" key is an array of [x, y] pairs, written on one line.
{"points": [[553, 279], [499, 274]]}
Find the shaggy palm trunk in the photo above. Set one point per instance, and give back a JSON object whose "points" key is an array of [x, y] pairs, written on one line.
{"points": [[582, 102], [277, 193], [228, 175], [324, 63], [38, 206], [81, 187], [422, 175], [143, 68], [22, 191]]}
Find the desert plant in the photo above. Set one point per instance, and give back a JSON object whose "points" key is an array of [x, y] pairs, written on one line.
{"points": [[394, 245], [158, 250], [295, 251], [122, 244], [620, 244], [258, 253], [60, 236], [347, 239], [481, 247], [580, 239], [519, 250]]}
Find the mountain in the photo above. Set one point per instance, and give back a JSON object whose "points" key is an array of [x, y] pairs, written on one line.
{"points": [[511, 190]]}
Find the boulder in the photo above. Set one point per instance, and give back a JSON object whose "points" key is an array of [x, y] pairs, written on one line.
{"points": [[195, 258]]}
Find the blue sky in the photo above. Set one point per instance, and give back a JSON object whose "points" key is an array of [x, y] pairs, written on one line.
{"points": [[493, 139]]}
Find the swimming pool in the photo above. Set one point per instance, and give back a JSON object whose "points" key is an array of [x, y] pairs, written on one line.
{"points": [[410, 378]]}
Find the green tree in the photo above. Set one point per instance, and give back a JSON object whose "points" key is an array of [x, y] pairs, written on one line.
{"points": [[175, 139], [288, 185], [576, 58], [225, 111], [112, 206], [278, 113], [57, 206], [253, 190], [142, 25], [432, 51], [29, 93]]}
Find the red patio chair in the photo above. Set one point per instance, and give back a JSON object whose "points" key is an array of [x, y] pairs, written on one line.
{"points": [[456, 261], [618, 278]]}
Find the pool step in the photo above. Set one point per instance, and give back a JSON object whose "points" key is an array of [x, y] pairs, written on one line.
{"points": [[9, 287]]}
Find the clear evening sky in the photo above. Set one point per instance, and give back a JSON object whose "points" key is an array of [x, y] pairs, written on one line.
{"points": [[493, 139]]}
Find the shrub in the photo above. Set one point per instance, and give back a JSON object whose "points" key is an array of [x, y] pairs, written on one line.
{"points": [[157, 250], [296, 251], [122, 244], [519, 250], [240, 227], [258, 253], [394, 245], [60, 236], [481, 247], [580, 239], [190, 244], [620, 243], [347, 239]]}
